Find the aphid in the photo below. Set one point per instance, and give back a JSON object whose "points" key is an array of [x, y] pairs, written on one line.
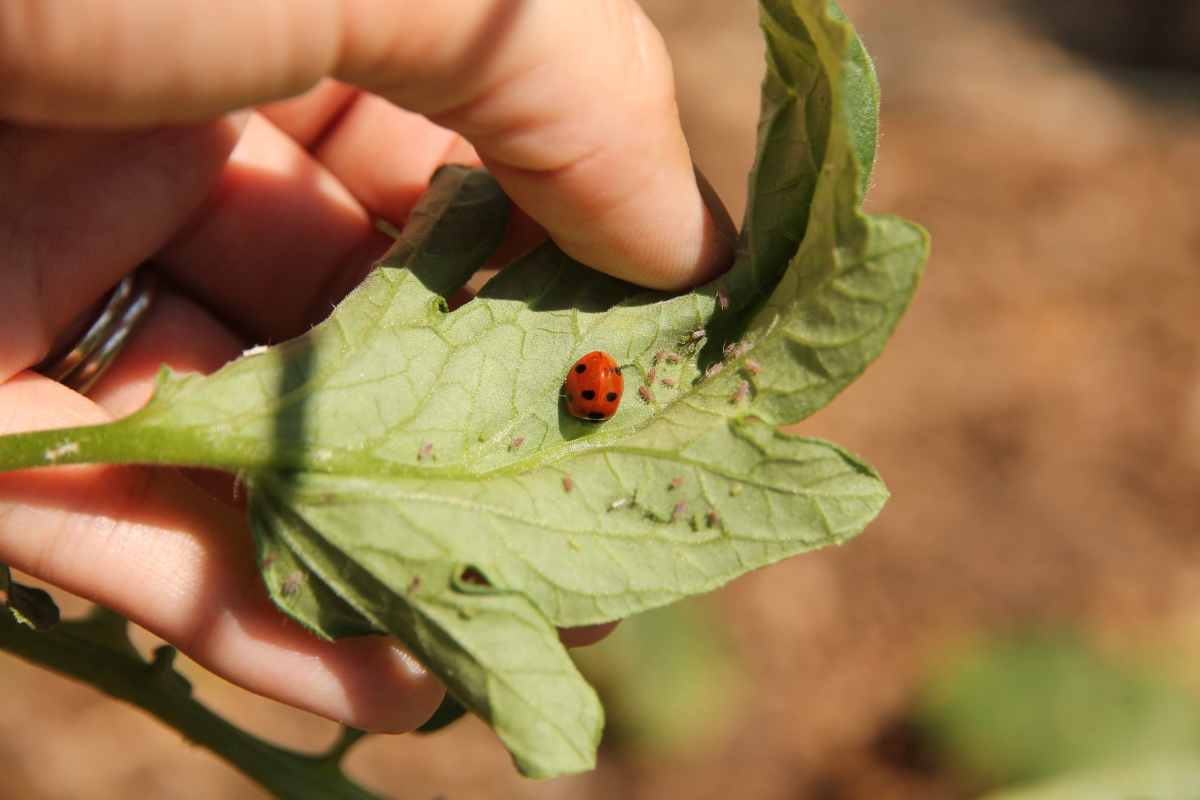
{"points": [[568, 484], [674, 358], [593, 387], [646, 394], [268, 561], [466, 612], [237, 483], [699, 333], [669, 382], [754, 367], [426, 451], [619, 503], [742, 349], [723, 298], [675, 484], [714, 517], [680, 507], [715, 369], [254, 351], [650, 376], [696, 521], [416, 584], [729, 348], [65, 449], [740, 394], [658, 357], [576, 545], [515, 443], [735, 490], [292, 583]]}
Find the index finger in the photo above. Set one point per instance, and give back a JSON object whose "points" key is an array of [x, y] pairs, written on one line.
{"points": [[570, 105]]}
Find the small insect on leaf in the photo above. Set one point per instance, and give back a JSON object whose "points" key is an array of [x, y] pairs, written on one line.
{"points": [[754, 367], [65, 449], [675, 484], [650, 375], [620, 502], [658, 357], [740, 394], [426, 451], [292, 583], [576, 545], [715, 369], [714, 517], [669, 382], [699, 334], [723, 298], [646, 394], [735, 490], [742, 349], [680, 507], [568, 484], [268, 561], [674, 358], [729, 348], [515, 443]]}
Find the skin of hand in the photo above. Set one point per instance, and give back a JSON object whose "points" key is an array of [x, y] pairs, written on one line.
{"points": [[124, 137]]}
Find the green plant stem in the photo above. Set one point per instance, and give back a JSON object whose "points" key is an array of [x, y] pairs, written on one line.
{"points": [[97, 651], [131, 441]]}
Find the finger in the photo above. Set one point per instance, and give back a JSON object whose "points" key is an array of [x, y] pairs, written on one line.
{"points": [[570, 105], [78, 210], [587, 635], [381, 153], [278, 241], [149, 545]]}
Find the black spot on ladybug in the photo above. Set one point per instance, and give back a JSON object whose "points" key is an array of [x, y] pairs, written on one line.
{"points": [[581, 367], [588, 394], [570, 399], [611, 396], [618, 370], [596, 415]]}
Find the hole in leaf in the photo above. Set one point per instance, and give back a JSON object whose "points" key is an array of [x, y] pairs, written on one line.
{"points": [[474, 577]]}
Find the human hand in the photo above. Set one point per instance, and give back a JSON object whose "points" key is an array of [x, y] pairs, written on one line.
{"points": [[117, 146]]}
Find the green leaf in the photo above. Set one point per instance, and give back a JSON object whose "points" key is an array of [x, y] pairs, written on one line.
{"points": [[408, 466], [1162, 778], [1029, 707]]}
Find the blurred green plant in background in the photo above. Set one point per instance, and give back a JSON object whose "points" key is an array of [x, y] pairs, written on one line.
{"points": [[668, 679], [1028, 707]]}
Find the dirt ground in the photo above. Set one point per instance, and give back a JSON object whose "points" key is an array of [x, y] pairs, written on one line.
{"points": [[1037, 419]]}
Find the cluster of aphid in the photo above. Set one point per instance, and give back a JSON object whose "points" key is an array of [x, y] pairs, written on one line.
{"points": [[677, 513], [595, 384]]}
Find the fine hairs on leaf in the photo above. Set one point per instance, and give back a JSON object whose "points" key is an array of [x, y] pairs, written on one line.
{"points": [[386, 495]]}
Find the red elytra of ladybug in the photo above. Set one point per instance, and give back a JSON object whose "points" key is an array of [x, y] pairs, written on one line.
{"points": [[594, 387]]}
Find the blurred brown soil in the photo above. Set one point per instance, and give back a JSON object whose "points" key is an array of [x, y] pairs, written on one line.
{"points": [[1037, 418]]}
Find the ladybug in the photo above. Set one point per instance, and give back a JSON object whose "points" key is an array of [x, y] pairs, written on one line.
{"points": [[594, 387]]}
